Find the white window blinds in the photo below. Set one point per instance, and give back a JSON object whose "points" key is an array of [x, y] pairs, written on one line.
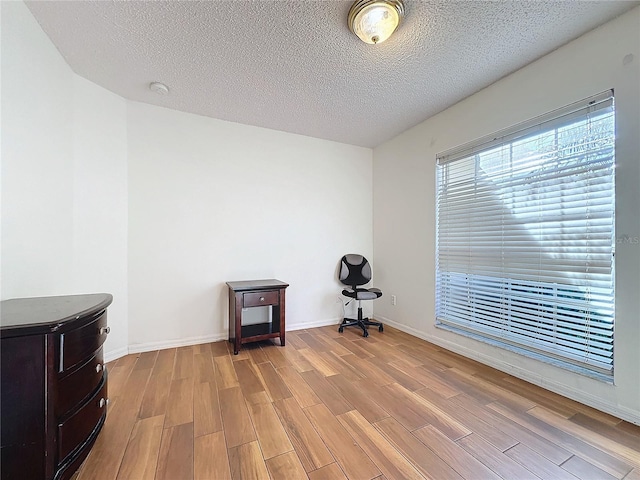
{"points": [[525, 235]]}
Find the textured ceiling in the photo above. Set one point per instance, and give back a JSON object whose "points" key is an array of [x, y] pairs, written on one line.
{"points": [[293, 65]]}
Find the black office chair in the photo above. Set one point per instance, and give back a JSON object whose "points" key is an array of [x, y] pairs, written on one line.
{"points": [[355, 271]]}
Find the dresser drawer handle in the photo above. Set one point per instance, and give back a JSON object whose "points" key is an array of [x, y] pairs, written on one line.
{"points": [[102, 403], [98, 368], [262, 299], [104, 330]]}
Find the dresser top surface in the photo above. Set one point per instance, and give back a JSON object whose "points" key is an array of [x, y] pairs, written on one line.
{"points": [[47, 314]]}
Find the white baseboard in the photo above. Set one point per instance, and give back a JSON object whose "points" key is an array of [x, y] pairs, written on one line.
{"points": [[561, 389], [319, 323], [115, 354], [183, 342]]}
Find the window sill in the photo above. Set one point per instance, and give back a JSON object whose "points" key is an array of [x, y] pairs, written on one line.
{"points": [[535, 356]]}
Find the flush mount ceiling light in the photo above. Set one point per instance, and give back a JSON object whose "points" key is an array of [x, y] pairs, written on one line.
{"points": [[159, 88], [373, 21]]}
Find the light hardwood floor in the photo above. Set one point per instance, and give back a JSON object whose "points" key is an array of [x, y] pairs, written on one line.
{"points": [[336, 406]]}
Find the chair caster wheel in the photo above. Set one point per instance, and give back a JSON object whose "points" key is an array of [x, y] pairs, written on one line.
{"points": [[365, 334], [340, 330], [380, 328]]}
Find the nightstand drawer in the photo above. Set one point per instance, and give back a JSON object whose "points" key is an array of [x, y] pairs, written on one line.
{"points": [[76, 346], [74, 388], [257, 299], [77, 428]]}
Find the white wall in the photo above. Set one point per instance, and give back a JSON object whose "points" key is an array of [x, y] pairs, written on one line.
{"points": [[100, 204], [404, 203], [64, 214], [160, 208], [37, 159], [213, 201]]}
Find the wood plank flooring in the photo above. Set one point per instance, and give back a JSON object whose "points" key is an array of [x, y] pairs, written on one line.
{"points": [[340, 406]]}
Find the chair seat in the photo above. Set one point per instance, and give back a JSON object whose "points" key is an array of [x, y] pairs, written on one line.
{"points": [[362, 293]]}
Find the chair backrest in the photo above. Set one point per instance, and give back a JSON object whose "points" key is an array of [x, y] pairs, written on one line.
{"points": [[354, 270]]}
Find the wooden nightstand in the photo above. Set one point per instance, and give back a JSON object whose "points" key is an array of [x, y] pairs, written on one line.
{"points": [[256, 293]]}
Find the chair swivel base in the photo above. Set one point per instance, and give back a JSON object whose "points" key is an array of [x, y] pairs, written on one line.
{"points": [[363, 323]]}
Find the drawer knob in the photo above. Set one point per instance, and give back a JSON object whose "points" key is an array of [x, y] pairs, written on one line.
{"points": [[104, 330], [102, 403], [262, 299], [98, 368]]}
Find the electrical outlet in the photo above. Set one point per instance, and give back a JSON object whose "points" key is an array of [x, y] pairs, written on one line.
{"points": [[393, 299]]}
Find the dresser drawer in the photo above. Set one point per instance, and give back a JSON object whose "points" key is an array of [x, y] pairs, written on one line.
{"points": [[76, 346], [74, 388], [75, 430], [257, 299]]}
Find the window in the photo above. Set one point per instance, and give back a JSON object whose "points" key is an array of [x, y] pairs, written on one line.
{"points": [[525, 236]]}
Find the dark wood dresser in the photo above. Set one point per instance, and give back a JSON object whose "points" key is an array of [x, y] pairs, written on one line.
{"points": [[53, 392]]}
